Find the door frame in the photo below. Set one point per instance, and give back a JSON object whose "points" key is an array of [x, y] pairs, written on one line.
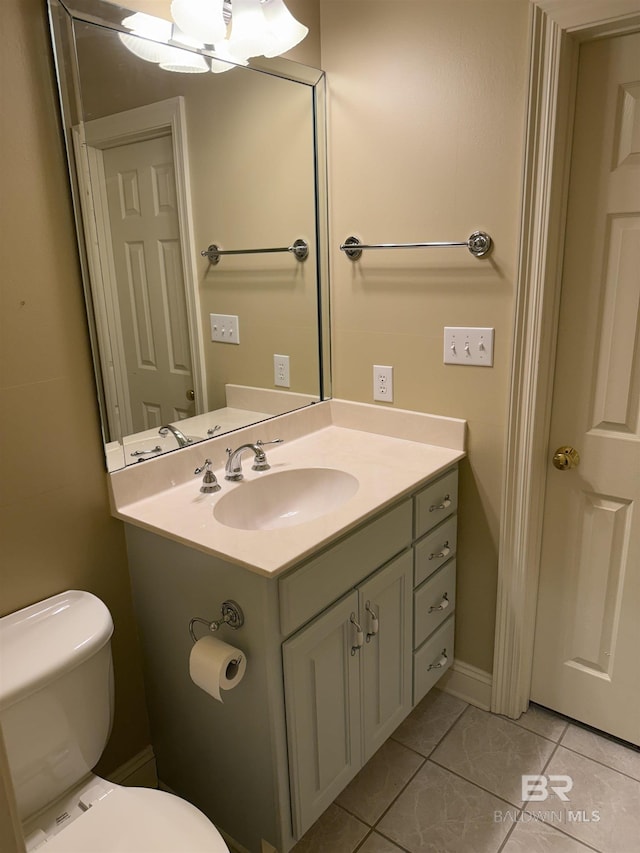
{"points": [[557, 27], [165, 117]]}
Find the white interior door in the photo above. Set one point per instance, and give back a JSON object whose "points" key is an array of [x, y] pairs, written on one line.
{"points": [[147, 260], [587, 645]]}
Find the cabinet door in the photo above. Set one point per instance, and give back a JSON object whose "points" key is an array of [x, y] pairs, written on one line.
{"points": [[322, 696], [386, 612]]}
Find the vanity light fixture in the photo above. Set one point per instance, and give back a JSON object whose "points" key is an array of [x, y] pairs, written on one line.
{"points": [[233, 30]]}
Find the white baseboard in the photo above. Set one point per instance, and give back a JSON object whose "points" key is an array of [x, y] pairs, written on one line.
{"points": [[469, 683], [139, 772]]}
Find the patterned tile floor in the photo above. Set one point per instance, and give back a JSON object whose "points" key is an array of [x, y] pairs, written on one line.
{"points": [[449, 780]]}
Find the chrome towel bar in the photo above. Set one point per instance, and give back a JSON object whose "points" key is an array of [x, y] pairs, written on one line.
{"points": [[300, 250], [479, 244]]}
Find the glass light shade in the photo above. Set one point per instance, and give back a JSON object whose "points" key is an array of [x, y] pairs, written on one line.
{"points": [[225, 59], [184, 62], [200, 19], [250, 32], [287, 31], [148, 27]]}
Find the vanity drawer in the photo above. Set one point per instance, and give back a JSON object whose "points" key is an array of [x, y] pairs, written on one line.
{"points": [[318, 583], [432, 659], [438, 500], [435, 549], [434, 602]]}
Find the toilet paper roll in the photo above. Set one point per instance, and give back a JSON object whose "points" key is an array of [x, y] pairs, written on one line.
{"points": [[215, 665]]}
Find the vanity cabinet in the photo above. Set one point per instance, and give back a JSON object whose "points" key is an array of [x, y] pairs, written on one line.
{"points": [[347, 680], [339, 648]]}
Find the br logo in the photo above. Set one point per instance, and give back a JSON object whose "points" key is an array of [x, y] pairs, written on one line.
{"points": [[536, 788]]}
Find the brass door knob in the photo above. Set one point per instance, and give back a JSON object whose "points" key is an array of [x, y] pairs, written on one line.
{"points": [[565, 458], [190, 395]]}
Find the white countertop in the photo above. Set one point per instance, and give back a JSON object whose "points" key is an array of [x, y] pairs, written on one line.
{"points": [[166, 498]]}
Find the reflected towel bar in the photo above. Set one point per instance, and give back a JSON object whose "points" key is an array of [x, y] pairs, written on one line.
{"points": [[300, 249], [479, 244]]}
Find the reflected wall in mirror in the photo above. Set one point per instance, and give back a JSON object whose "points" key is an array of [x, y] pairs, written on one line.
{"points": [[163, 165]]}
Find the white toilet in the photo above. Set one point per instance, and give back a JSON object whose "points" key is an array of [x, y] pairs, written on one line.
{"points": [[56, 710]]}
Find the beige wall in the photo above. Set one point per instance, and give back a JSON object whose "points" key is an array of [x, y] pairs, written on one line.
{"points": [[426, 130], [426, 122], [55, 527]]}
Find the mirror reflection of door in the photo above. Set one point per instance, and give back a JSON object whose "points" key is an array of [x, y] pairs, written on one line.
{"points": [[149, 281]]}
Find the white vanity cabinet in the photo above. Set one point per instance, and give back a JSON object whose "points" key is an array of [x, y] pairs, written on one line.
{"points": [[347, 680]]}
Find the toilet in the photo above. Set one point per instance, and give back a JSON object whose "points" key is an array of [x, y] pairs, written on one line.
{"points": [[56, 711]]}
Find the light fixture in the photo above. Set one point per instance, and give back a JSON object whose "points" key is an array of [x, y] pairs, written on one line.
{"points": [[233, 31]]}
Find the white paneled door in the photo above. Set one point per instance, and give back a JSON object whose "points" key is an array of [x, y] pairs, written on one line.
{"points": [[145, 240], [587, 645]]}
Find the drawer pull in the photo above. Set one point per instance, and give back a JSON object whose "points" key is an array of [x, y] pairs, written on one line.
{"points": [[444, 603], [446, 550], [442, 662], [446, 502], [374, 624], [358, 640]]}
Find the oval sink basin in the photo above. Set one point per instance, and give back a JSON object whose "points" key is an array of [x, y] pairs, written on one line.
{"points": [[285, 498]]}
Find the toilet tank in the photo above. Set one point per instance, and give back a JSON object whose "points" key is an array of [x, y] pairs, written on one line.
{"points": [[56, 694]]}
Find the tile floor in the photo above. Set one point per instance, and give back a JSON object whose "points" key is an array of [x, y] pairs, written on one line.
{"points": [[449, 780]]}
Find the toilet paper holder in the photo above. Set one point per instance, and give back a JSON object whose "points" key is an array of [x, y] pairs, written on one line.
{"points": [[232, 616]]}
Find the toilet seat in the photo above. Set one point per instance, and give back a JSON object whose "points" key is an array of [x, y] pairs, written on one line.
{"points": [[138, 820]]}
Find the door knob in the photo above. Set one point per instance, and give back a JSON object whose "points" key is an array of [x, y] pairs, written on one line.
{"points": [[190, 395], [565, 458]]}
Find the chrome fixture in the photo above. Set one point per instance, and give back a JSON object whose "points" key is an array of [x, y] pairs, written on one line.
{"points": [[179, 436], [300, 250], [232, 616], [209, 481], [214, 429], [233, 468], [156, 449], [479, 244], [232, 31]]}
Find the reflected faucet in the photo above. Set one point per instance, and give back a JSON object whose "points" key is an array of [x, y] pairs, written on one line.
{"points": [[180, 437], [233, 468]]}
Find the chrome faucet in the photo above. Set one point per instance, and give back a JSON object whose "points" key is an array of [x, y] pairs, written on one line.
{"points": [[233, 468], [180, 437]]}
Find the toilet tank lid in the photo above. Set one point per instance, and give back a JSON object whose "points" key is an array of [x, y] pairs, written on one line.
{"points": [[42, 641]]}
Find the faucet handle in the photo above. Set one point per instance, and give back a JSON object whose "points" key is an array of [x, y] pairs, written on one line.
{"points": [[260, 463], [209, 482]]}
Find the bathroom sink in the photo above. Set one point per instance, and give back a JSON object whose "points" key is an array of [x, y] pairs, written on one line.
{"points": [[285, 498]]}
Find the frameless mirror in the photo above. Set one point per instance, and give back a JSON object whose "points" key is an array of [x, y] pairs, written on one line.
{"points": [[200, 203]]}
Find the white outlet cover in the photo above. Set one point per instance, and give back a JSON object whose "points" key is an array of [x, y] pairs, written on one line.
{"points": [[383, 383], [281, 371]]}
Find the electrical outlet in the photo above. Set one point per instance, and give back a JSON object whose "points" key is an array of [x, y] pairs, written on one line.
{"points": [[383, 383], [468, 346], [225, 328], [281, 371]]}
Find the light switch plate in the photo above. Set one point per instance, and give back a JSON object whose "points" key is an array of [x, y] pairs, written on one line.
{"points": [[225, 328], [468, 346]]}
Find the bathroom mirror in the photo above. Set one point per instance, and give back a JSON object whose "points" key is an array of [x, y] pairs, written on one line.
{"points": [[164, 166]]}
